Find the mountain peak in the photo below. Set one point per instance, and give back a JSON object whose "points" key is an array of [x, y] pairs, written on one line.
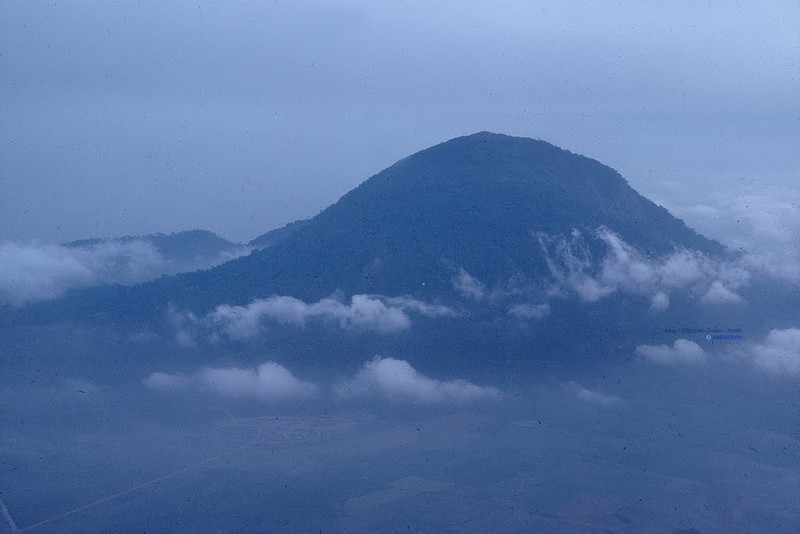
{"points": [[493, 156], [478, 203], [497, 141]]}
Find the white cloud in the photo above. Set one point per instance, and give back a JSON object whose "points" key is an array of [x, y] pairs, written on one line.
{"points": [[570, 265], [590, 396], [684, 268], [469, 286], [719, 294], [529, 311], [39, 272], [168, 382], [397, 380], [269, 381], [35, 272], [762, 222], [365, 312], [779, 353], [659, 302], [625, 269], [422, 308], [682, 352]]}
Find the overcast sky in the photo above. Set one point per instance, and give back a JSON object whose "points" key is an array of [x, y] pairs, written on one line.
{"points": [[239, 116]]}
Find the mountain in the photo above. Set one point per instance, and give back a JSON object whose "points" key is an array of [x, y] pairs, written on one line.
{"points": [[530, 312], [474, 202], [189, 245], [477, 203], [511, 234]]}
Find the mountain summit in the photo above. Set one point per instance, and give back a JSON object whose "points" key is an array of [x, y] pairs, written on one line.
{"points": [[475, 203]]}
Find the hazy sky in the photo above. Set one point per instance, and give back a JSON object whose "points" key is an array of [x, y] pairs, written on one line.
{"points": [[239, 116]]}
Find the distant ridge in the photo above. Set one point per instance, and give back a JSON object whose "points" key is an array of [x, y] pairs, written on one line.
{"points": [[185, 245]]}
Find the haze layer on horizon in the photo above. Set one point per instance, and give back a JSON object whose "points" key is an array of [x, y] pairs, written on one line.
{"points": [[240, 117]]}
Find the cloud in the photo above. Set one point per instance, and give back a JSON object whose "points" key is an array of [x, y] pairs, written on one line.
{"points": [[393, 379], [39, 272], [364, 312], [659, 302], [762, 222], [682, 352], [719, 294], [570, 264], [267, 382], [168, 382], [422, 308], [779, 353], [397, 380], [468, 286], [590, 396], [471, 288], [35, 272], [625, 269], [529, 311]]}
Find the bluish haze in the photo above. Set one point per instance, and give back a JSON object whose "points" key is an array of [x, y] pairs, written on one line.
{"points": [[492, 334], [133, 118]]}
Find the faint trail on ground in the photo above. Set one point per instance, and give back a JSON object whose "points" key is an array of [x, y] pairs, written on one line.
{"points": [[7, 517], [132, 489]]}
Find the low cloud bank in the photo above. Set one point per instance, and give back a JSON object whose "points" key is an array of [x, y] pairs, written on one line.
{"points": [[625, 269], [397, 380], [389, 378], [267, 382], [779, 353], [363, 312], [590, 396], [682, 352], [762, 222], [35, 272]]}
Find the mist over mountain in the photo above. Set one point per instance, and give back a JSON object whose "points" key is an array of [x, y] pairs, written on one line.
{"points": [[475, 202], [187, 246], [32, 272], [481, 203], [484, 252], [455, 332], [498, 328]]}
